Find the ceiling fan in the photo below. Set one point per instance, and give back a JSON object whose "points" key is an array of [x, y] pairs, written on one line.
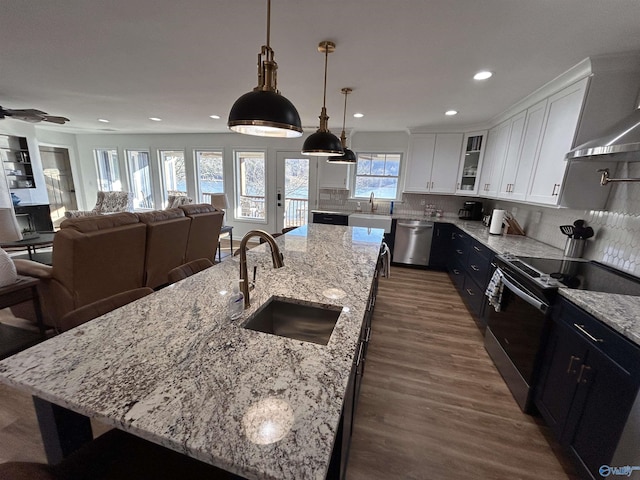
{"points": [[32, 116]]}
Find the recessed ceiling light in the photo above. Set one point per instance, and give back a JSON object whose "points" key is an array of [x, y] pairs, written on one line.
{"points": [[358, 115], [451, 112], [482, 75], [155, 119], [103, 120], [215, 117]]}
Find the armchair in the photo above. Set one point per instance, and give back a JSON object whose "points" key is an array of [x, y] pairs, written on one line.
{"points": [[107, 202]]}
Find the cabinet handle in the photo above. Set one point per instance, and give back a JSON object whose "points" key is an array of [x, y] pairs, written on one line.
{"points": [[494, 265], [455, 271], [431, 185], [459, 252], [581, 328], [474, 268], [476, 248], [584, 368], [571, 360], [555, 187], [368, 335], [470, 292]]}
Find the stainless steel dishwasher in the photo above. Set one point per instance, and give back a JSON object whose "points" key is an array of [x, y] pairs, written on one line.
{"points": [[412, 243]]}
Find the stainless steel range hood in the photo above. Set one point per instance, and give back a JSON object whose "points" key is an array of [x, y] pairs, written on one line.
{"points": [[619, 143]]}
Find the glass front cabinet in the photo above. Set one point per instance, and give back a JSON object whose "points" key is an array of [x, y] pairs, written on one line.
{"points": [[470, 163]]}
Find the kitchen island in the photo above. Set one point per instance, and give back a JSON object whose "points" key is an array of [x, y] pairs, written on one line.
{"points": [[173, 369]]}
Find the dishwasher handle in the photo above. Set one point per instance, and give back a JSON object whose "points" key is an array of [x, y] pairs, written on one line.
{"points": [[408, 225]]}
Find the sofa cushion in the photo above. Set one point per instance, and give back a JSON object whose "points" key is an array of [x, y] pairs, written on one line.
{"points": [[160, 215], [99, 222]]}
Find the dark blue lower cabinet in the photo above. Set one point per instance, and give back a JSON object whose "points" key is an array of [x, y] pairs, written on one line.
{"points": [[584, 393]]}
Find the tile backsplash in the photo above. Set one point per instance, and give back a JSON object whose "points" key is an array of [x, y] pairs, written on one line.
{"points": [[617, 227]]}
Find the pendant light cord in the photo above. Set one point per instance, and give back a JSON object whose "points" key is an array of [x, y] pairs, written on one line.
{"points": [[268, 23], [344, 116], [326, 60]]}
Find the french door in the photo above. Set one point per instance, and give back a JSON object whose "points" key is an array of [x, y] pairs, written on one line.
{"points": [[295, 189]]}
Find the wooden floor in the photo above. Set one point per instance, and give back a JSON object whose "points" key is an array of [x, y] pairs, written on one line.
{"points": [[432, 405]]}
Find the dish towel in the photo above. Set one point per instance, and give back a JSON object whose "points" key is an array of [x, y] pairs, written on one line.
{"points": [[494, 290], [385, 253]]}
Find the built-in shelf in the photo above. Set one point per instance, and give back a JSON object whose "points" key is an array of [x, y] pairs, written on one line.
{"points": [[16, 162]]}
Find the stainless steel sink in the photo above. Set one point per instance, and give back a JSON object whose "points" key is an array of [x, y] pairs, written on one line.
{"points": [[308, 322]]}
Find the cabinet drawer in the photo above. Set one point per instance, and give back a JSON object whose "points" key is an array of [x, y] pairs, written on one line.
{"points": [[478, 265], [331, 218], [457, 274], [600, 336], [460, 247], [473, 296]]}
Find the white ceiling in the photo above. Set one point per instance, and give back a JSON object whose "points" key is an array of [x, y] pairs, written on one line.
{"points": [[407, 60]]}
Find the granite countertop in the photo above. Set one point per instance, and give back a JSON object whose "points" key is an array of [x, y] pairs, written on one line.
{"points": [[172, 368]]}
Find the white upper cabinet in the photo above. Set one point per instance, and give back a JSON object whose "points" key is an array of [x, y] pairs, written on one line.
{"points": [[432, 164], [332, 175], [445, 162], [511, 159], [559, 129], [516, 176], [419, 162], [471, 163], [497, 142]]}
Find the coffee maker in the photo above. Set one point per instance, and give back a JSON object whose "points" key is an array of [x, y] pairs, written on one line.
{"points": [[471, 211]]}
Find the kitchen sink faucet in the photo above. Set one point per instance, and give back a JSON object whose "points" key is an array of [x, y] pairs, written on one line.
{"points": [[373, 205], [276, 257]]}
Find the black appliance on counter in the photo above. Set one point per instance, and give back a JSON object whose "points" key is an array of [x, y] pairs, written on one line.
{"points": [[515, 334], [471, 211]]}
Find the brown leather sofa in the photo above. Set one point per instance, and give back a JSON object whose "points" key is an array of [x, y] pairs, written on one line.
{"points": [[99, 256]]}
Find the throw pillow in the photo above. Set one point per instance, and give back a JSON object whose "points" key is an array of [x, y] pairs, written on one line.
{"points": [[8, 274]]}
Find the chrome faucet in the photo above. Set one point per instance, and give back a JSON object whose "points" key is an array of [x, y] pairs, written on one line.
{"points": [[373, 205], [276, 257]]}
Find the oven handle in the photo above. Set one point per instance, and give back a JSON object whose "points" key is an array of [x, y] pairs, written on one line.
{"points": [[511, 285]]}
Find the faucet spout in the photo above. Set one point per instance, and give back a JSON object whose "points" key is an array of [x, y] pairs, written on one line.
{"points": [[373, 205], [276, 258]]}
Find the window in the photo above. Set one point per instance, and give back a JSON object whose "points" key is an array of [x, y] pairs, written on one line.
{"points": [[173, 172], [251, 185], [108, 170], [139, 169], [210, 167], [377, 173]]}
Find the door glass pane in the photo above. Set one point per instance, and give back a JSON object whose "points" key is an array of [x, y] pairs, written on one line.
{"points": [[108, 170], [140, 178], [296, 192], [251, 185], [173, 173], [210, 173]]}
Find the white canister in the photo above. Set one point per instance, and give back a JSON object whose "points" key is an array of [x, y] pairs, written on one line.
{"points": [[496, 222]]}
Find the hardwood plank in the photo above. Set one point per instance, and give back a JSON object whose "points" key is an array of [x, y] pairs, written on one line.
{"points": [[432, 404]]}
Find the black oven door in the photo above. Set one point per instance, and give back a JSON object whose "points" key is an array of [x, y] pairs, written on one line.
{"points": [[514, 336]]}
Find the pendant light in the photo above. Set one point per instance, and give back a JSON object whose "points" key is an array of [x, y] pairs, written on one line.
{"points": [[323, 143], [263, 111], [348, 156]]}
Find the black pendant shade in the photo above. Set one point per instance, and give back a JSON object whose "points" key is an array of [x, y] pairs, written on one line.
{"points": [[322, 144], [266, 114], [347, 157], [263, 111]]}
